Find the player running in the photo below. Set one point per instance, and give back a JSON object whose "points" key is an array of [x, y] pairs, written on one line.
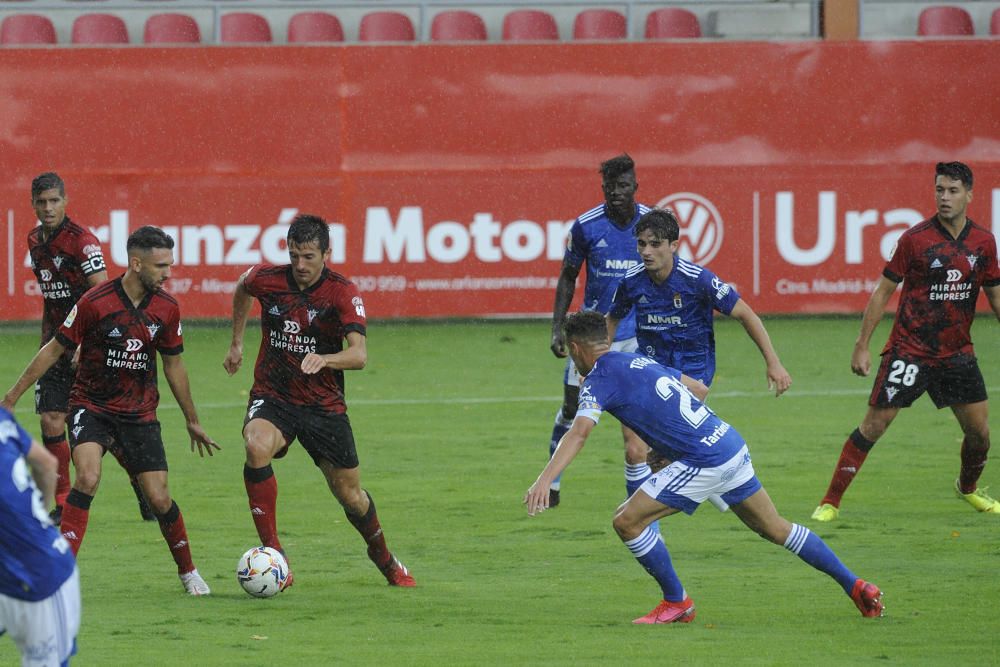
{"points": [[708, 456], [307, 311], [942, 263], [119, 326]]}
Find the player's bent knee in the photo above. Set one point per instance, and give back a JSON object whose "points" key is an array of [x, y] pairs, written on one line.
{"points": [[53, 423]]}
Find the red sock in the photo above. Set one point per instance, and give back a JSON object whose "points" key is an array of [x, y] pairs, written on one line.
{"points": [[76, 513], [172, 528], [973, 462], [262, 492], [58, 446], [371, 531], [852, 456]]}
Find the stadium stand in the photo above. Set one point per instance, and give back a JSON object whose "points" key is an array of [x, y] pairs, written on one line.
{"points": [[944, 21], [99, 29], [458, 26], [672, 23], [995, 22], [600, 24], [529, 25], [19, 29], [171, 29], [899, 19], [244, 28], [314, 27], [386, 27]]}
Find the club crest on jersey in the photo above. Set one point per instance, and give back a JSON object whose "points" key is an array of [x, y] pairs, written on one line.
{"points": [[890, 393], [292, 327], [58, 260], [311, 314], [972, 261], [677, 300], [152, 329], [46, 275]]}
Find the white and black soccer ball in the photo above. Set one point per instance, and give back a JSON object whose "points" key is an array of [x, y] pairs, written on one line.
{"points": [[262, 572]]}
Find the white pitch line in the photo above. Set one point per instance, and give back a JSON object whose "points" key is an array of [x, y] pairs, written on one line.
{"points": [[488, 400]]}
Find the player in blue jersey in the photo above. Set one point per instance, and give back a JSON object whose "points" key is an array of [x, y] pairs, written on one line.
{"points": [[603, 239], [673, 301], [39, 583], [663, 406]]}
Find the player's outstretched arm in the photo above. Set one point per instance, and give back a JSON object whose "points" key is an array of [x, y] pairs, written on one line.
{"points": [[861, 358], [778, 378], [565, 288], [180, 386], [537, 497], [353, 358], [242, 302], [41, 362], [45, 470]]}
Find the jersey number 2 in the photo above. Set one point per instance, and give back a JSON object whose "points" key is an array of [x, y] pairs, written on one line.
{"points": [[666, 386]]}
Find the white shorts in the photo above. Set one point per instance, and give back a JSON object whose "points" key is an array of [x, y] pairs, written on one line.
{"points": [[44, 631], [685, 487], [571, 377]]}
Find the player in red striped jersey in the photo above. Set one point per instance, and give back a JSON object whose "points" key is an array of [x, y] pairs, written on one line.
{"points": [[67, 260], [307, 311], [942, 263], [119, 326]]}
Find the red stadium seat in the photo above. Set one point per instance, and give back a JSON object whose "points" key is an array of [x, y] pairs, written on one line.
{"points": [[386, 27], [458, 26], [672, 23], [529, 24], [995, 22], [945, 22], [599, 24], [244, 27], [171, 29], [315, 27], [27, 29], [99, 29]]}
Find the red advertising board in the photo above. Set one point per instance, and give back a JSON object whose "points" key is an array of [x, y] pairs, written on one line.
{"points": [[451, 173]]}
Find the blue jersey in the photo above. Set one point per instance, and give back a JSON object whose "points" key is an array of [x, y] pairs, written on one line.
{"points": [[36, 559], [651, 400], [674, 320], [610, 252]]}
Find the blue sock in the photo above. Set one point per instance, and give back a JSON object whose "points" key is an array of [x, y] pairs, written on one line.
{"points": [[558, 431], [652, 554], [812, 549], [635, 475]]}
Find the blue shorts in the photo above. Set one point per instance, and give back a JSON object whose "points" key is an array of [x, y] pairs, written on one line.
{"points": [[685, 487]]}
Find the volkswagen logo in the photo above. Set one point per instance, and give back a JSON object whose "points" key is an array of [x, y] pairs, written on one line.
{"points": [[700, 223]]}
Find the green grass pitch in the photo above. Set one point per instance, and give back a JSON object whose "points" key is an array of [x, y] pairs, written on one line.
{"points": [[452, 422]]}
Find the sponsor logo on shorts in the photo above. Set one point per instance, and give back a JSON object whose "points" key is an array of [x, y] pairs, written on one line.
{"points": [[890, 393]]}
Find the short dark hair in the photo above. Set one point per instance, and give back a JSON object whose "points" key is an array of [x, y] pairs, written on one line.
{"points": [[47, 181], [661, 222], [955, 170], [616, 166], [586, 326], [148, 238], [307, 229]]}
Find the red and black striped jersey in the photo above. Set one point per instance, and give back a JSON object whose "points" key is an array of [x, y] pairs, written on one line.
{"points": [[941, 279], [119, 341], [295, 322], [62, 264]]}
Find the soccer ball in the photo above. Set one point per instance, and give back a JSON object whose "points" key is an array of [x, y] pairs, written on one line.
{"points": [[262, 572]]}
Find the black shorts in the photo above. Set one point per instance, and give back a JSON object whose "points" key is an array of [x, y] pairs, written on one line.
{"points": [[52, 389], [901, 381], [139, 444], [325, 435]]}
